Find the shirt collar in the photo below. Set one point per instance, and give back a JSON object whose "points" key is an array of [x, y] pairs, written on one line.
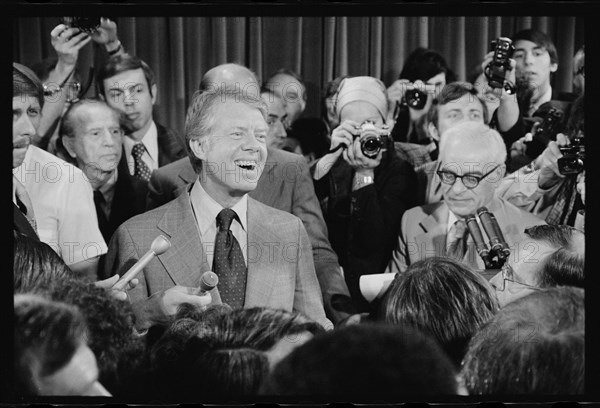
{"points": [[108, 188], [451, 220], [150, 141], [207, 209], [546, 97]]}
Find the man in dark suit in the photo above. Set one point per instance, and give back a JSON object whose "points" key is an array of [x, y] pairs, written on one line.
{"points": [[267, 260], [92, 137], [474, 153], [285, 184], [127, 84]]}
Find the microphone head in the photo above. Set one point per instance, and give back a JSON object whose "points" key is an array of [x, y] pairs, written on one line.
{"points": [[482, 210], [160, 245], [208, 280]]}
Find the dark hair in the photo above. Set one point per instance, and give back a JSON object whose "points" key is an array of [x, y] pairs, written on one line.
{"points": [[293, 74], [534, 345], [566, 265], [121, 63], [46, 336], [539, 38], [424, 64], [452, 92], [443, 298], [25, 82], [36, 265], [329, 91], [222, 354], [312, 135], [367, 360], [110, 334]]}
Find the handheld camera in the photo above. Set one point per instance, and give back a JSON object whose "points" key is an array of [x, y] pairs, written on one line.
{"points": [[573, 158], [546, 131], [495, 71], [373, 139]]}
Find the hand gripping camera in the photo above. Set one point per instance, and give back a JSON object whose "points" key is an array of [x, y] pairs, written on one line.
{"points": [[495, 71], [573, 156], [546, 131], [373, 139]]}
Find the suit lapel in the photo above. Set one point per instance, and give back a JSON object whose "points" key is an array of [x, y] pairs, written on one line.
{"points": [[186, 260], [263, 247], [434, 228]]}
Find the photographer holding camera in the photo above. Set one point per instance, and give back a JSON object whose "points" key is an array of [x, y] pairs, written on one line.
{"points": [[423, 75], [60, 76], [363, 186]]}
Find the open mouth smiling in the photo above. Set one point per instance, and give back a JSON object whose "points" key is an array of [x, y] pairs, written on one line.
{"points": [[246, 164]]}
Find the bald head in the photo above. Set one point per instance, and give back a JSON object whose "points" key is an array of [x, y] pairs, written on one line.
{"points": [[474, 138], [231, 75]]}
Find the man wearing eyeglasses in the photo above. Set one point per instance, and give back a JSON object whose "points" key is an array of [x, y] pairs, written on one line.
{"points": [[551, 255], [471, 164]]}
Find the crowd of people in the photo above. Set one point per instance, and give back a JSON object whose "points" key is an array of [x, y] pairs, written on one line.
{"points": [[456, 190]]}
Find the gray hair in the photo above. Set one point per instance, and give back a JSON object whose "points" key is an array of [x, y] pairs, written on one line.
{"points": [[201, 114], [475, 133]]}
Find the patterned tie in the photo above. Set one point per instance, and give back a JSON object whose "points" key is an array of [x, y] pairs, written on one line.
{"points": [[142, 171], [457, 238], [228, 261], [24, 202]]}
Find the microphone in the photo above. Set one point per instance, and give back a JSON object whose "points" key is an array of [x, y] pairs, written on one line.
{"points": [[475, 232], [159, 246], [494, 233], [208, 281]]}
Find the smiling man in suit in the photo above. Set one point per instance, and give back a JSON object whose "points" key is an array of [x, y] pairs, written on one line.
{"points": [[471, 165], [285, 184], [262, 255]]}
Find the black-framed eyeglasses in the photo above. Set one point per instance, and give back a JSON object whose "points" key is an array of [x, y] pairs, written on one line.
{"points": [[469, 180], [580, 71], [509, 275]]}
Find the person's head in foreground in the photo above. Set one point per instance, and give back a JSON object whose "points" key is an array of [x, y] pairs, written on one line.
{"points": [[534, 346], [364, 361], [51, 355], [441, 297]]}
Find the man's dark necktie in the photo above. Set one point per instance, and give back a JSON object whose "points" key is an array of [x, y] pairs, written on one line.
{"points": [[228, 261], [141, 169], [99, 202], [457, 240], [24, 202]]}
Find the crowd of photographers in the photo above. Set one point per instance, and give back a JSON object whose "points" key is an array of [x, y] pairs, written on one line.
{"points": [[424, 238]]}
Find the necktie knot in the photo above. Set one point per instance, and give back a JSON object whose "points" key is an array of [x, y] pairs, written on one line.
{"points": [[460, 228], [225, 218], [138, 150]]}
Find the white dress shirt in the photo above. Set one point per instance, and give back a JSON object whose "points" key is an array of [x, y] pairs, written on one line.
{"points": [[150, 142], [63, 204], [206, 209]]}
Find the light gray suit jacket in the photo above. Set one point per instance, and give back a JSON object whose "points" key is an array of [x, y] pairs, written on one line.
{"points": [[423, 233], [281, 272]]}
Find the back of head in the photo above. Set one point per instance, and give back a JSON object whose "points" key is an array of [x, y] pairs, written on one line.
{"points": [[424, 64], [26, 83], [534, 345], [46, 336], [470, 135], [364, 361], [36, 266], [230, 75], [443, 298], [363, 89], [566, 265], [121, 63], [451, 92], [541, 39], [110, 332]]}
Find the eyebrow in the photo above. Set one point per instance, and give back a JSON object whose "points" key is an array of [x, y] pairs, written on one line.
{"points": [[121, 89]]}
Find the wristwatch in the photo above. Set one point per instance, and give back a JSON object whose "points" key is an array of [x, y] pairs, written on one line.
{"points": [[362, 181]]}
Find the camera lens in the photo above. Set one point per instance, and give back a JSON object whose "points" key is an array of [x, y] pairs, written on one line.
{"points": [[370, 146], [415, 98]]}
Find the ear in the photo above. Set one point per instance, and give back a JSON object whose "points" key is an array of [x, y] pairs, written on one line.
{"points": [[200, 147], [68, 144], [433, 132], [553, 67], [154, 93]]}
